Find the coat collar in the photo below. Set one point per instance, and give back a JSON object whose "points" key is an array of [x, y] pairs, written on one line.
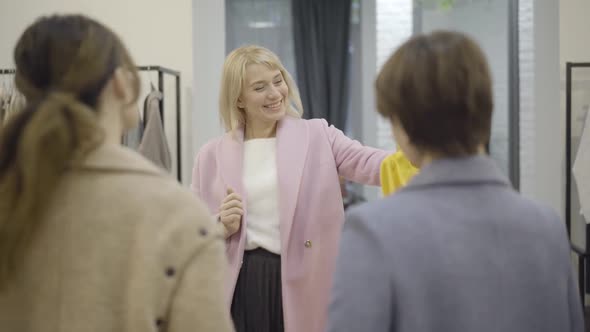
{"points": [[292, 145], [456, 171], [116, 158]]}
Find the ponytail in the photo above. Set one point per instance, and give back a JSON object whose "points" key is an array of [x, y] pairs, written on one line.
{"points": [[36, 147]]}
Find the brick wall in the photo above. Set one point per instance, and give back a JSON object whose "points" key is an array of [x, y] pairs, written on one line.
{"points": [[394, 26]]}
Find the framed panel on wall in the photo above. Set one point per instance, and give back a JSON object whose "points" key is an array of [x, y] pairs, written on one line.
{"points": [[577, 161], [266, 23]]}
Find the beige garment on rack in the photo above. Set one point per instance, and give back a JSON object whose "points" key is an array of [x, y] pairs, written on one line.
{"points": [[17, 103], [11, 101], [2, 112], [154, 145], [3, 103]]}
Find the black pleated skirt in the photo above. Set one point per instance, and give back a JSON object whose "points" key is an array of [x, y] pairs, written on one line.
{"points": [[257, 304]]}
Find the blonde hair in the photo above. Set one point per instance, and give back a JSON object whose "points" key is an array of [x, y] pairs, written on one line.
{"points": [[232, 83]]}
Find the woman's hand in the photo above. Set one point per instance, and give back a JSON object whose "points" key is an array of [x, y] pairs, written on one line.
{"points": [[231, 212]]}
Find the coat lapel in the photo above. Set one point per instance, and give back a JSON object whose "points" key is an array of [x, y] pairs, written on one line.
{"points": [[231, 160], [292, 145]]}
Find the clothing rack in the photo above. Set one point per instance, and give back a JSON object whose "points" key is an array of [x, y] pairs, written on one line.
{"points": [[161, 72], [583, 254], [176, 74]]}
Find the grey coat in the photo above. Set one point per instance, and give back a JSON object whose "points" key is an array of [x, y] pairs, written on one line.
{"points": [[456, 250], [154, 145]]}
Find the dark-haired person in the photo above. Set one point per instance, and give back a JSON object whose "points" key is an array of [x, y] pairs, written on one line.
{"points": [[457, 249], [92, 236]]}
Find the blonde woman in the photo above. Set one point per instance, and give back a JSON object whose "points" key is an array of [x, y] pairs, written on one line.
{"points": [[93, 237], [273, 180]]}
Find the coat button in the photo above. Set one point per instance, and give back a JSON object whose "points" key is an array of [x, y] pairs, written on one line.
{"points": [[308, 244], [170, 272]]}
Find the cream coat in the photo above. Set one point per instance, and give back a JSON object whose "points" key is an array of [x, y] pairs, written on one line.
{"points": [[122, 248]]}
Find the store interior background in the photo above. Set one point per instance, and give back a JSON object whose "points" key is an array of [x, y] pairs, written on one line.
{"points": [[191, 37]]}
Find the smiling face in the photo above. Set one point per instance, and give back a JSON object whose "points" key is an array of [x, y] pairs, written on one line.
{"points": [[264, 96]]}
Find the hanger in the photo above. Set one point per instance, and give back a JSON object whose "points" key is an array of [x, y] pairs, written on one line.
{"points": [[154, 92], [152, 86]]}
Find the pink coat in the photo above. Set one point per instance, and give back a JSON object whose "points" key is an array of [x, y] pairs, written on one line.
{"points": [[310, 157]]}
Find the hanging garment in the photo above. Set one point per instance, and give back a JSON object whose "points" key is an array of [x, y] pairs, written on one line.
{"points": [[396, 172], [154, 145], [581, 170], [2, 111], [11, 101], [3, 103], [16, 103], [132, 138]]}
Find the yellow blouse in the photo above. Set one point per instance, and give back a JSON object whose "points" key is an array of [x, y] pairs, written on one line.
{"points": [[396, 172]]}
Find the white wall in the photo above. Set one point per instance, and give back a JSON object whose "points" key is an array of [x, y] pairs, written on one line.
{"points": [[541, 122], [155, 32], [574, 31], [549, 142]]}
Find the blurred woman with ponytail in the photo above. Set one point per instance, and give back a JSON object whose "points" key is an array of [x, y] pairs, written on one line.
{"points": [[92, 236]]}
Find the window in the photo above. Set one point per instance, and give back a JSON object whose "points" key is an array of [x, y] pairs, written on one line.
{"points": [[266, 23]]}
